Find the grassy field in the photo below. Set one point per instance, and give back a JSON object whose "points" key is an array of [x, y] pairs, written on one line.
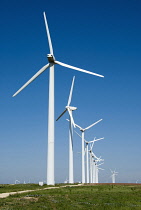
{"points": [[82, 197], [20, 187]]}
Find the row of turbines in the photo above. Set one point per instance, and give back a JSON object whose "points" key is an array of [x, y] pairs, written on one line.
{"points": [[92, 163], [91, 168]]}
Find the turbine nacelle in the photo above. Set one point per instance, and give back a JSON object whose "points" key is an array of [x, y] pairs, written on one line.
{"points": [[50, 58], [72, 108]]}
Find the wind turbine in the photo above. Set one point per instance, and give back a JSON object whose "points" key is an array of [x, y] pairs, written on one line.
{"points": [[71, 125], [17, 181], [83, 152], [114, 173], [87, 159], [51, 62]]}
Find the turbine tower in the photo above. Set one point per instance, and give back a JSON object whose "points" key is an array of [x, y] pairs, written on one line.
{"points": [[51, 62], [83, 150], [71, 125]]}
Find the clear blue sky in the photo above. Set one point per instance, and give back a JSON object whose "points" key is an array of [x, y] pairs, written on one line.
{"points": [[100, 36]]}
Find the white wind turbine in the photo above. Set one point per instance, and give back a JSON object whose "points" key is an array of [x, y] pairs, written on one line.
{"points": [[83, 150], [51, 62], [87, 159], [17, 181], [114, 173], [71, 125]]}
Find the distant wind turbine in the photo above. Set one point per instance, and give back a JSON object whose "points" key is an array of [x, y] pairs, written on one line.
{"points": [[71, 125], [17, 181], [114, 173], [51, 62]]}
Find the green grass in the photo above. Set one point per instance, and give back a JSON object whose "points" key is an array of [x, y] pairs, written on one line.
{"points": [[20, 187], [83, 197]]}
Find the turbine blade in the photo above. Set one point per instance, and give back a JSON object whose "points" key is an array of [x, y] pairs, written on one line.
{"points": [[78, 126], [110, 170], [101, 169], [78, 134], [61, 114], [100, 164], [91, 141], [48, 34], [85, 151], [78, 69], [93, 124], [71, 117], [71, 90], [95, 156], [69, 121], [32, 78], [92, 145], [98, 139]]}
